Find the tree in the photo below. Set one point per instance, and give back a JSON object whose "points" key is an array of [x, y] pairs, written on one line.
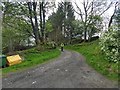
{"points": [[91, 8], [62, 21], [39, 32], [94, 26], [117, 22], [23, 18], [15, 29], [69, 19], [32, 12], [110, 40], [111, 18], [117, 17], [42, 6], [78, 28], [56, 19]]}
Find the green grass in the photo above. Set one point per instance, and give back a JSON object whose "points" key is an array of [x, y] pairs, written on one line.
{"points": [[96, 59], [32, 58]]}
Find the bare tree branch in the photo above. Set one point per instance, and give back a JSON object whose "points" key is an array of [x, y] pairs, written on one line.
{"points": [[106, 9], [80, 11]]}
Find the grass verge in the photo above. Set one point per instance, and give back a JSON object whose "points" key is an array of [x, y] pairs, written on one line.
{"points": [[96, 59], [32, 58]]}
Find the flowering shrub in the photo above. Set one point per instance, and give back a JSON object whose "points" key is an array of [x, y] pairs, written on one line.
{"points": [[109, 44]]}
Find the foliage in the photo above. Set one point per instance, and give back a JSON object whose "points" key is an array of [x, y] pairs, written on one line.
{"points": [[110, 40], [117, 18], [96, 58], [49, 26], [56, 19], [95, 24], [15, 30], [61, 21], [110, 44], [69, 18], [78, 27]]}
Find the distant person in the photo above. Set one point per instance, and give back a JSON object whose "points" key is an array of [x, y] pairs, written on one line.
{"points": [[62, 45]]}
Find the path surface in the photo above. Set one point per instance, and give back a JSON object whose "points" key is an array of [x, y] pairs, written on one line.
{"points": [[68, 71]]}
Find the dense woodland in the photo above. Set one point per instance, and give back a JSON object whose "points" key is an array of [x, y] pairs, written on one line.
{"points": [[29, 24]]}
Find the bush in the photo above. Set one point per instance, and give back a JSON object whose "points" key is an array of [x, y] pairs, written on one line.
{"points": [[51, 45], [110, 45]]}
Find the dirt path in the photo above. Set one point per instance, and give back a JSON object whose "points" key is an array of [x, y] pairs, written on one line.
{"points": [[68, 71]]}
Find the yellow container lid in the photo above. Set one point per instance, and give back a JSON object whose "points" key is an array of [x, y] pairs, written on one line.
{"points": [[15, 59]]}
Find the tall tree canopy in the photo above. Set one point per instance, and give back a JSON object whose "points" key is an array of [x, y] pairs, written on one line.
{"points": [[62, 20]]}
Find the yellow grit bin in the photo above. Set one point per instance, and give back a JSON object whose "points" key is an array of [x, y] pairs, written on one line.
{"points": [[12, 60]]}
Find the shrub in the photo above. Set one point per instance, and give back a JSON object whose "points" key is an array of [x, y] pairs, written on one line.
{"points": [[110, 45]]}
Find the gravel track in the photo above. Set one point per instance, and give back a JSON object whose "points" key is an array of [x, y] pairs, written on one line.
{"points": [[67, 71]]}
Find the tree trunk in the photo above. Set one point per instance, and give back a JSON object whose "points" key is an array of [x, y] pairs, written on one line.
{"points": [[110, 22], [43, 24], [41, 20], [10, 48], [34, 27], [89, 35], [36, 23], [85, 33]]}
